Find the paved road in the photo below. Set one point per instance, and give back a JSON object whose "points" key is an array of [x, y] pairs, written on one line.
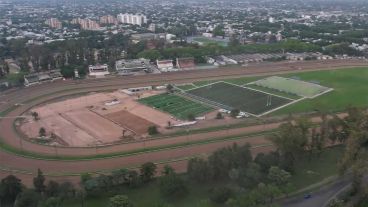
{"points": [[321, 197]]}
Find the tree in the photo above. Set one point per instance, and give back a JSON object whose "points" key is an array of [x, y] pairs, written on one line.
{"points": [[120, 201], [251, 175], [66, 190], [219, 31], [167, 170], [292, 139], [278, 176], [199, 170], [35, 116], [52, 189], [150, 54], [219, 115], [42, 132], [221, 194], [152, 130], [10, 188], [119, 177], [172, 186], [169, 88], [133, 178], [67, 71], [265, 161], [353, 131], [191, 117], [39, 182], [28, 198], [148, 171], [228, 158], [52, 202], [234, 113]]}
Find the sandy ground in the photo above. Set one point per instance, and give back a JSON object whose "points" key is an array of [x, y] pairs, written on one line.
{"points": [[134, 123], [74, 122], [130, 104], [88, 121], [102, 129]]}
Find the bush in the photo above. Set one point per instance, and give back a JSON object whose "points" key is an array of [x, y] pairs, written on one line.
{"points": [[220, 195], [152, 130], [191, 117], [172, 186], [234, 113], [219, 116]]}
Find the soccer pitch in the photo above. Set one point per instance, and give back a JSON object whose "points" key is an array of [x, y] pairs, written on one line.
{"points": [[292, 86], [244, 99], [177, 106]]}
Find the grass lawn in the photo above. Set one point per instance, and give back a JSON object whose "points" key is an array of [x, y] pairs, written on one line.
{"points": [[293, 86], [350, 89], [307, 173], [312, 171], [274, 91], [177, 106], [206, 41]]}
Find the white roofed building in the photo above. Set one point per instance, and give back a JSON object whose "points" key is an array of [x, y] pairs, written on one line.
{"points": [[98, 70], [165, 65]]}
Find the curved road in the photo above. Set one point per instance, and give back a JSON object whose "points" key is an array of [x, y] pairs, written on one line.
{"points": [[24, 98]]}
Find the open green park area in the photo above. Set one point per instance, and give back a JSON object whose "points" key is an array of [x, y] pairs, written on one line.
{"points": [[307, 172], [206, 41]]}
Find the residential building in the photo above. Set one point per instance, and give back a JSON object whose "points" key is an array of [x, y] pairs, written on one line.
{"points": [[86, 24], [108, 19], [135, 19], [54, 23]]}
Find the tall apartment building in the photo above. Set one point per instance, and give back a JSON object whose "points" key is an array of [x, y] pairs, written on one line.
{"points": [[86, 24], [108, 19], [135, 19], [54, 23]]}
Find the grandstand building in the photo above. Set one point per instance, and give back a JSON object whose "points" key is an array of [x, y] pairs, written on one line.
{"points": [[185, 63], [130, 67], [37, 78], [98, 70], [165, 65]]}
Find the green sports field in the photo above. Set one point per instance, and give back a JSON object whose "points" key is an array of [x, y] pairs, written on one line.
{"points": [[235, 97], [206, 41], [292, 86], [350, 89], [177, 106]]}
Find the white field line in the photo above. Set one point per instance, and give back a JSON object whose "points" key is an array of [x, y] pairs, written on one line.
{"points": [[283, 106], [258, 83], [204, 85], [275, 109], [293, 100], [320, 94], [259, 91]]}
